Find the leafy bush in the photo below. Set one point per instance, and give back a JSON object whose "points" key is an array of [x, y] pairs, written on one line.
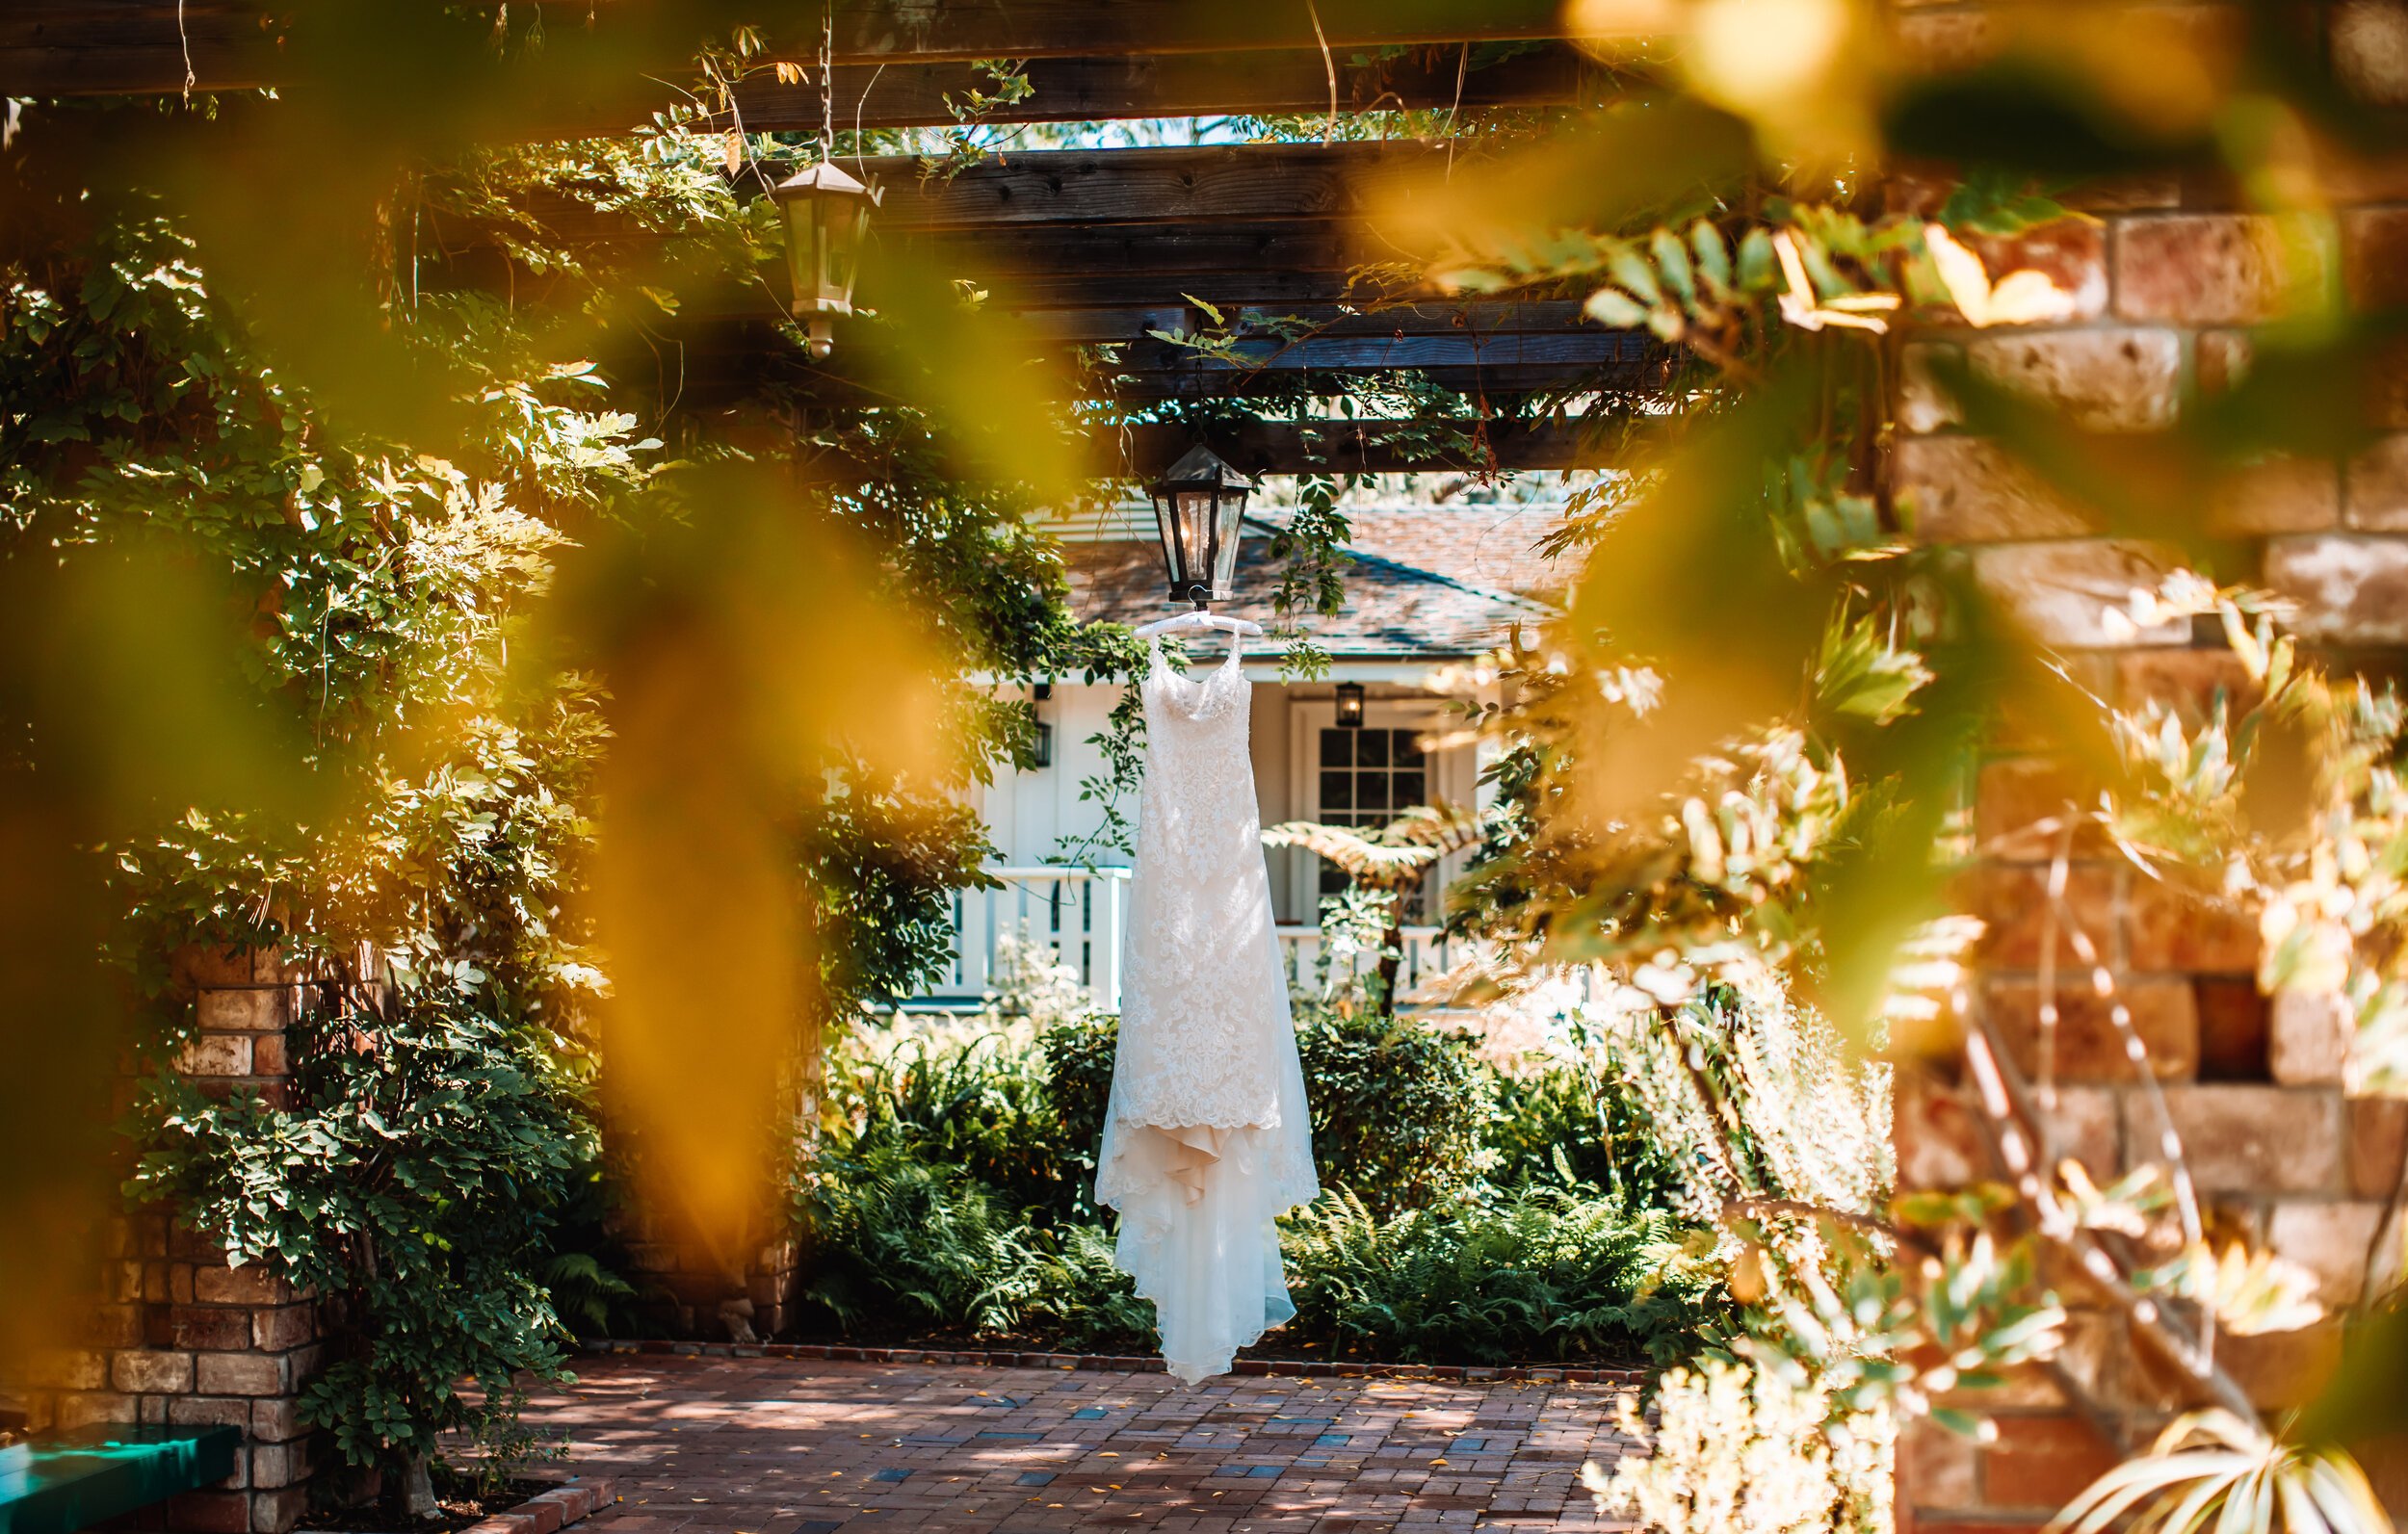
{"points": [[979, 1105], [1543, 1273], [1079, 1078], [929, 1246], [1398, 1105], [409, 1183], [1572, 1127]]}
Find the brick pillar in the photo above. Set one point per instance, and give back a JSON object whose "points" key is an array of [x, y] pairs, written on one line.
{"points": [[2165, 279], [177, 1337]]}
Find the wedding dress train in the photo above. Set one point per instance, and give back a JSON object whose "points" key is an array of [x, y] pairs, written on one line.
{"points": [[1206, 1136]]}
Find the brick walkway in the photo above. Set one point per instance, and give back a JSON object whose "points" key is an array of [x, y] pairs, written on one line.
{"points": [[782, 1447]]}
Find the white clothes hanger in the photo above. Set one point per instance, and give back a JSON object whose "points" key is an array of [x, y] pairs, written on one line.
{"points": [[1186, 621]]}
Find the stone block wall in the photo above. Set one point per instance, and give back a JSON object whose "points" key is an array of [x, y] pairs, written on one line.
{"points": [[738, 1291], [690, 1292], [174, 1335], [2166, 279]]}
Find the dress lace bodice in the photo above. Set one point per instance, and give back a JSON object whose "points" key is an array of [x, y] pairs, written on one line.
{"points": [[1194, 1012]]}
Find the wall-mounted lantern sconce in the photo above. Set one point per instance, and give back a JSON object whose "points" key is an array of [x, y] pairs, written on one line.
{"points": [[1041, 746], [1350, 704]]}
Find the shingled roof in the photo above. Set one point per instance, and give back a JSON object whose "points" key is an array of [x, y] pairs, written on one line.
{"points": [[1393, 608], [1491, 546]]}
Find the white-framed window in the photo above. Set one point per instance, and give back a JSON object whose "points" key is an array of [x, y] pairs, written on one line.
{"points": [[1362, 778]]}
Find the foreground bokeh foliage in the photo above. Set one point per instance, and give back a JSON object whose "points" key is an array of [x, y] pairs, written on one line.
{"points": [[1749, 822]]}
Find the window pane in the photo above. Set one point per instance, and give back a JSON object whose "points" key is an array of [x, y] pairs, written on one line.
{"points": [[1410, 789], [1371, 747], [1409, 747], [1336, 749], [1371, 791], [1337, 791]]}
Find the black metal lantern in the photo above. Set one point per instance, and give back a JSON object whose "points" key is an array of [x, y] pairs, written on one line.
{"points": [[827, 217], [1043, 756], [1197, 508], [1350, 704]]}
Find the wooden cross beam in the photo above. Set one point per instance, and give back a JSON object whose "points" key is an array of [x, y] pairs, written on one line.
{"points": [[1423, 446], [1419, 445], [747, 361], [598, 52], [1092, 188], [1110, 87]]}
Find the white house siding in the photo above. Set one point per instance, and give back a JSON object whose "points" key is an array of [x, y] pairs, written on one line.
{"points": [[1032, 815]]}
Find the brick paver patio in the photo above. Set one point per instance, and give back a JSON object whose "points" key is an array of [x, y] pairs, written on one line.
{"points": [[765, 1446]]}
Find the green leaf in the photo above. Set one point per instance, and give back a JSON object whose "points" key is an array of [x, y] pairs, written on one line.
{"points": [[1671, 258], [1610, 306]]}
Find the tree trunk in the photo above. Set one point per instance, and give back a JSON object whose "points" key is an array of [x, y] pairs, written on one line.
{"points": [[418, 1490], [1390, 955]]}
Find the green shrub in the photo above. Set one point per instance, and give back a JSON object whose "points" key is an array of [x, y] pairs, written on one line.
{"points": [[1078, 1076], [1545, 1273], [929, 1247], [1465, 1220], [1399, 1105], [1572, 1129], [408, 1182], [980, 1104]]}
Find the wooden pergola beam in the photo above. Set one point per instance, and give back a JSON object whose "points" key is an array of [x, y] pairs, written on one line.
{"points": [[1091, 198], [1474, 322], [1376, 447], [87, 47], [1096, 188], [1111, 87], [1421, 445], [706, 361]]}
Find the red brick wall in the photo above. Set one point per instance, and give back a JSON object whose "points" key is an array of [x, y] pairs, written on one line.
{"points": [[2165, 279], [175, 1336]]}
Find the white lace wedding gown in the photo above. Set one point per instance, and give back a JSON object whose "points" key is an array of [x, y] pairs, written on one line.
{"points": [[1205, 1138]]}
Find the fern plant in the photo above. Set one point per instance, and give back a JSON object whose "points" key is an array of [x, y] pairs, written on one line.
{"points": [[1547, 1272]]}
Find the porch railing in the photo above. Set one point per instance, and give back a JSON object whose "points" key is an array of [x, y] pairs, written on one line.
{"points": [[1428, 953], [1081, 913]]}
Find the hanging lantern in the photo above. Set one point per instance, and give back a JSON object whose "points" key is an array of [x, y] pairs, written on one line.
{"points": [[1197, 508], [1350, 704], [827, 217]]}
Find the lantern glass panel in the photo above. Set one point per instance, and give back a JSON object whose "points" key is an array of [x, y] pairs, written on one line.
{"points": [[848, 225], [803, 240], [1195, 534], [1166, 524], [1228, 513]]}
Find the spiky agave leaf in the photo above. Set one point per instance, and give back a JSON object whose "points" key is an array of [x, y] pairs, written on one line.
{"points": [[2216, 1464]]}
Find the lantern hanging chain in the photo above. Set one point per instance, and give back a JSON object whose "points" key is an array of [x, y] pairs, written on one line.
{"points": [[827, 91], [184, 40]]}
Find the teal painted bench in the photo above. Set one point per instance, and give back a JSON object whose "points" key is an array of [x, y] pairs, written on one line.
{"points": [[60, 1482]]}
